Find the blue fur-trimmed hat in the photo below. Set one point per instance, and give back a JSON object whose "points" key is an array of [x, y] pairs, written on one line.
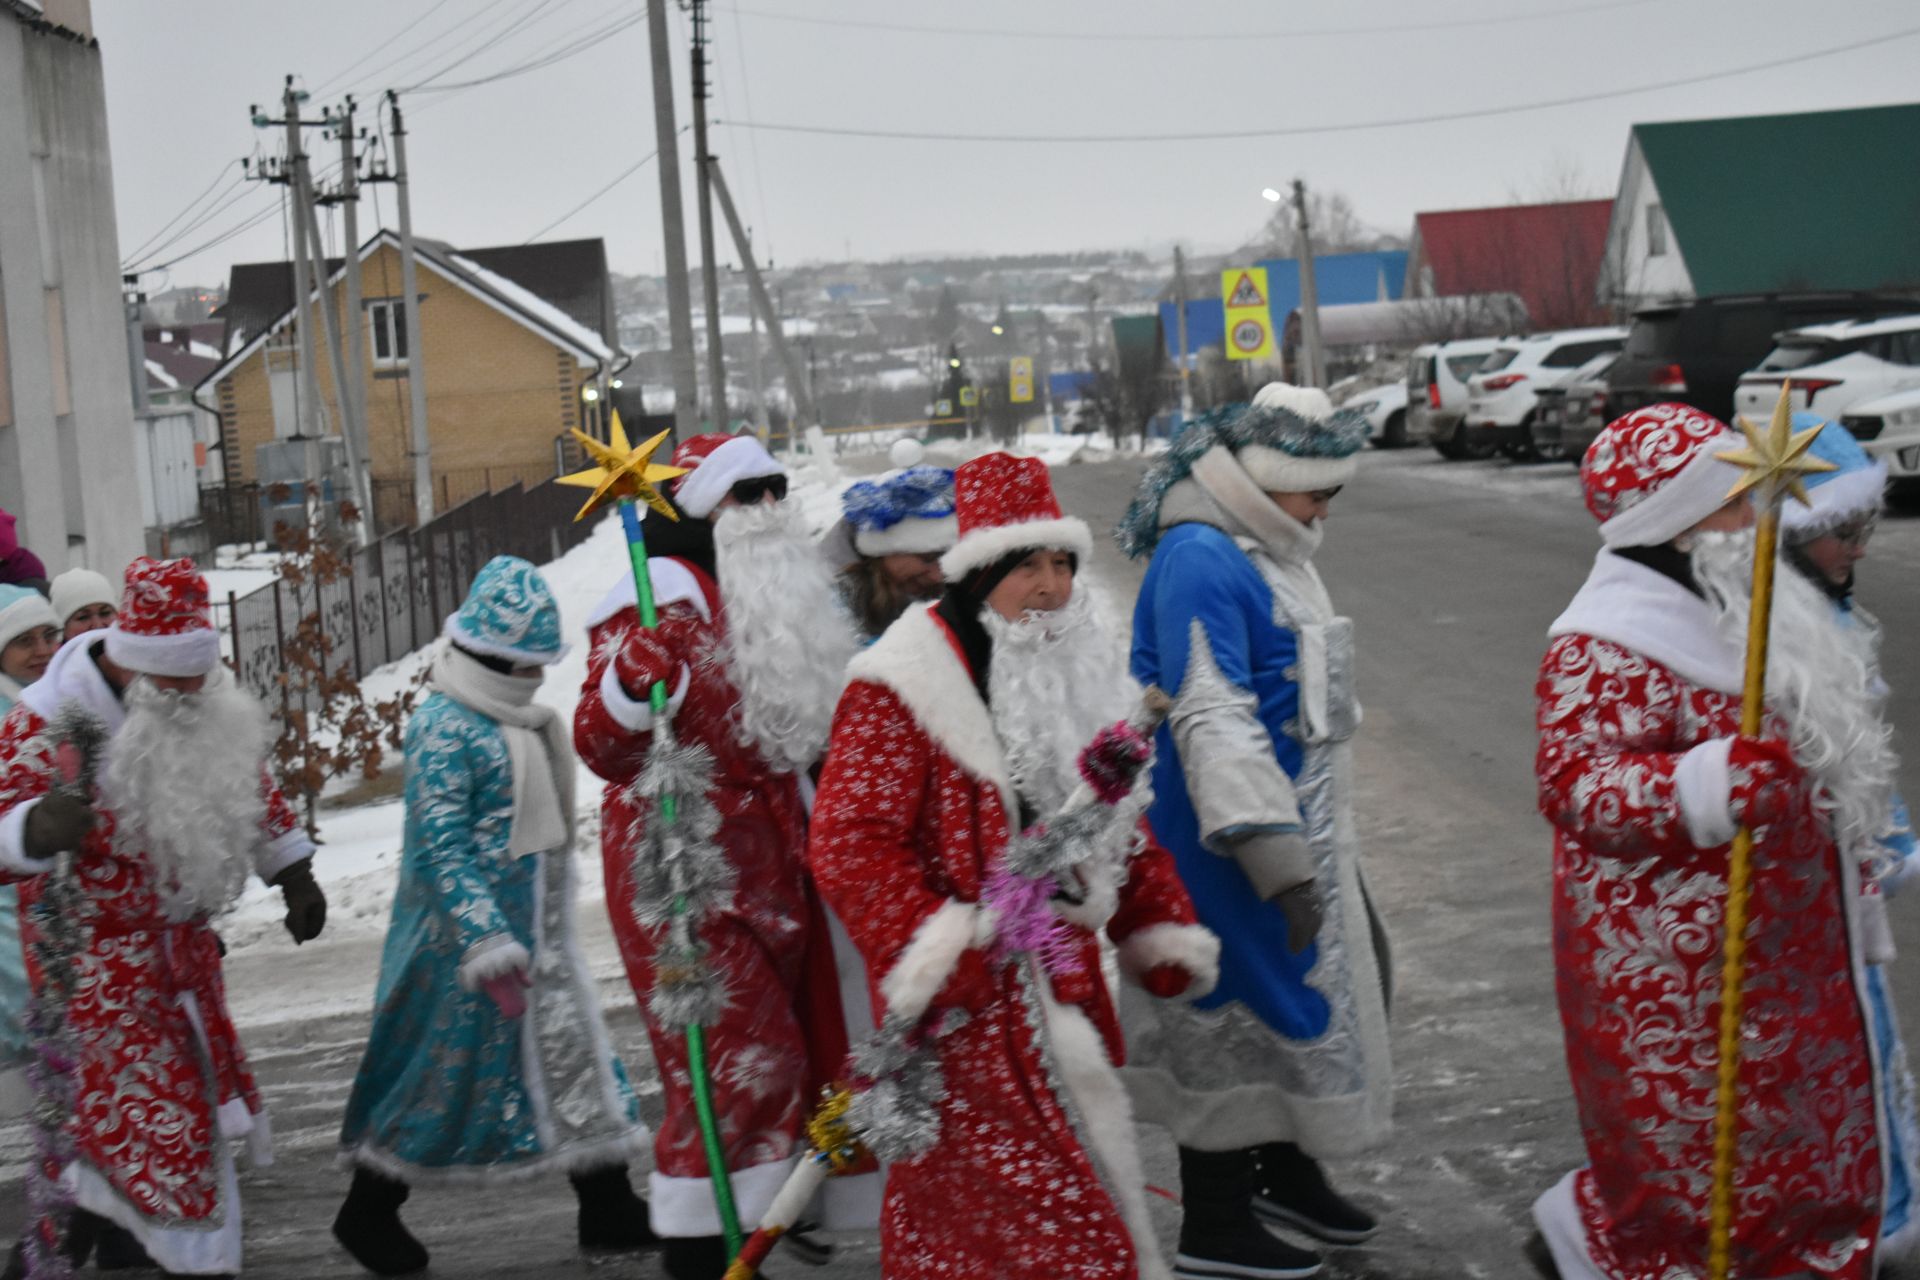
{"points": [[509, 613], [1289, 440], [1855, 488], [909, 512]]}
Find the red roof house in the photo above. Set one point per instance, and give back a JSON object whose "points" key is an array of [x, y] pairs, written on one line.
{"points": [[1549, 254]]}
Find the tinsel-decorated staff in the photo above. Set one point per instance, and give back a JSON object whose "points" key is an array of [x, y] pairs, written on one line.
{"points": [[1774, 459], [675, 780], [76, 736]]}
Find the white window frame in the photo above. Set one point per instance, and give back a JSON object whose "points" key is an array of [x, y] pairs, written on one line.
{"points": [[1656, 230], [386, 318]]}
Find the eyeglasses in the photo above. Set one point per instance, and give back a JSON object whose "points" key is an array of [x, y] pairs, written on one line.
{"points": [[1855, 534], [749, 492]]}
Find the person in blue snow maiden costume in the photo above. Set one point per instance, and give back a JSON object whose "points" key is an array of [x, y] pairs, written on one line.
{"points": [[1824, 540], [1286, 1062], [488, 1060]]}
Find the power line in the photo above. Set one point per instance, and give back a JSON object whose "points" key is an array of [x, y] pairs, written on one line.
{"points": [[487, 39], [1186, 37], [134, 254], [463, 23], [380, 48], [622, 177], [249, 224], [590, 40], [1351, 126]]}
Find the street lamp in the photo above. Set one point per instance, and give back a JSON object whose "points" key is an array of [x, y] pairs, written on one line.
{"points": [[1268, 193]]}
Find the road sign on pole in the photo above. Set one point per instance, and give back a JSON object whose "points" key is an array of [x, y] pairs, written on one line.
{"points": [[1020, 380], [1243, 293], [969, 396], [943, 408]]}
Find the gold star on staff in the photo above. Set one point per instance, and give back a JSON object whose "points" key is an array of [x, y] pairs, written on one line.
{"points": [[1776, 458], [622, 471]]}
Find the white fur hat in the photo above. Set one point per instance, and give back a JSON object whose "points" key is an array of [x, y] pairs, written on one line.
{"points": [[75, 589], [1278, 471], [22, 609]]}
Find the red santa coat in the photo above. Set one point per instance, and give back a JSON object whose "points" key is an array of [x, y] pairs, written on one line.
{"points": [[162, 1076], [1034, 1176], [781, 1036], [1636, 788]]}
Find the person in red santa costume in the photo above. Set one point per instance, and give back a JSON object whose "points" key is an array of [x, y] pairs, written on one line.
{"points": [[752, 643], [183, 812], [1645, 777], [961, 728]]}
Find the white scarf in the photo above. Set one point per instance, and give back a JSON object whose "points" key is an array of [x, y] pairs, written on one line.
{"points": [[542, 758], [1288, 543]]}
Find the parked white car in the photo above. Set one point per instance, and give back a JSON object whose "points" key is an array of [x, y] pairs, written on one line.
{"points": [[1385, 409], [1437, 374], [1502, 394], [1889, 428], [1834, 366]]}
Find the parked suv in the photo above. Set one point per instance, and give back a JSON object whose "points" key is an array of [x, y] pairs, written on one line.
{"points": [[1833, 367], [1889, 427], [1503, 392], [1695, 352], [1437, 376], [1560, 420]]}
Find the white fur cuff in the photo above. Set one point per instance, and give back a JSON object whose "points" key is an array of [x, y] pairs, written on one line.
{"points": [[492, 958], [929, 959], [282, 852], [983, 547], [13, 842], [1703, 781], [1191, 946]]}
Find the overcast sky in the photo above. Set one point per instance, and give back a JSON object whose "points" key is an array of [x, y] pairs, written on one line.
{"points": [[496, 163]]}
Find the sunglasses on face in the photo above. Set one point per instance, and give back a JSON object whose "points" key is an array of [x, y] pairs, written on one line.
{"points": [[749, 492]]}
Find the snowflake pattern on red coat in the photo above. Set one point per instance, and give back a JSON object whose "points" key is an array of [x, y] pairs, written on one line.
{"points": [[149, 1087], [1009, 1190], [1638, 929]]}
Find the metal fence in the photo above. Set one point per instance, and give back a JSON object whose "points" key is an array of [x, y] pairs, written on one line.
{"points": [[398, 591]]}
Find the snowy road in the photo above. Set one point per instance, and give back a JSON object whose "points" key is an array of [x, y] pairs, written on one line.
{"points": [[1452, 573]]}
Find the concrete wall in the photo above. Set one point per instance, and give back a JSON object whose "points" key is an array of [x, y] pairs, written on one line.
{"points": [[67, 467]]}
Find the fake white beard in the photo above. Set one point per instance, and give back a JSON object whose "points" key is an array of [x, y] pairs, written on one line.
{"points": [[182, 777], [1056, 680], [789, 639], [1821, 679]]}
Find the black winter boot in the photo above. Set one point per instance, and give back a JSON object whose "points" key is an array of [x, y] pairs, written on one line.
{"points": [[119, 1250], [368, 1226], [694, 1257], [1220, 1239], [612, 1218], [83, 1230], [1291, 1190]]}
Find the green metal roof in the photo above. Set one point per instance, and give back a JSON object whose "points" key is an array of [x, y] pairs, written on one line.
{"points": [[1815, 201]]}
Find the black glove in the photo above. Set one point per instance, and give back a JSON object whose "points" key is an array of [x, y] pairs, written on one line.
{"points": [[306, 905], [1301, 906], [56, 825]]}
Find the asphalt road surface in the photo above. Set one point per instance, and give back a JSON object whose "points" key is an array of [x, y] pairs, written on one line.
{"points": [[1452, 573]]}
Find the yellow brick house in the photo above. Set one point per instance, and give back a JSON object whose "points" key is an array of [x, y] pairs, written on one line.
{"points": [[515, 339]]}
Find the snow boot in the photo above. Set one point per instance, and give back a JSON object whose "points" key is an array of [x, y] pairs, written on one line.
{"points": [[1290, 1190], [82, 1232], [612, 1218], [119, 1250], [368, 1226], [694, 1257], [1220, 1239]]}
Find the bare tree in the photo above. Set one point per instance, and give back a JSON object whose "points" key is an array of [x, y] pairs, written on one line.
{"points": [[1337, 228]]}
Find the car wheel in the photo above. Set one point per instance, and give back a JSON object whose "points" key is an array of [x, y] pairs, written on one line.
{"points": [[1394, 435], [1466, 447]]}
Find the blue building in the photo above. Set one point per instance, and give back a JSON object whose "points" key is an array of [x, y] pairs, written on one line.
{"points": [[1378, 276]]}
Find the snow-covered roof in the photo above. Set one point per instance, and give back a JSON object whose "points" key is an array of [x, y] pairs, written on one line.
{"points": [[539, 308], [157, 374]]}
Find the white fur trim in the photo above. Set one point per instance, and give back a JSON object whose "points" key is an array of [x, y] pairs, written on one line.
{"points": [[915, 659], [1557, 1214], [1700, 489], [1310, 403], [1644, 610], [452, 630], [194, 652], [673, 582], [985, 546], [73, 674], [682, 1207], [582, 1158], [916, 535], [1843, 498], [930, 957], [1277, 471], [741, 458], [490, 958], [1099, 900], [637, 716], [1193, 947], [1703, 783], [281, 852], [212, 1248], [13, 842], [31, 611]]}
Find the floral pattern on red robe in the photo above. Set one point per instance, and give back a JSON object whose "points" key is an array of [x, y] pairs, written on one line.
{"points": [[1638, 914]]}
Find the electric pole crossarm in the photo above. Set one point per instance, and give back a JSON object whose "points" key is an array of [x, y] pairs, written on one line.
{"points": [[797, 388]]}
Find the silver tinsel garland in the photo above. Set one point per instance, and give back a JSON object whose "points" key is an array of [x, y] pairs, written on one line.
{"points": [[896, 1110], [680, 876]]}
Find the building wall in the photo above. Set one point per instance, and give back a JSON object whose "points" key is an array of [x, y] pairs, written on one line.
{"points": [[66, 423], [497, 392], [1631, 270]]}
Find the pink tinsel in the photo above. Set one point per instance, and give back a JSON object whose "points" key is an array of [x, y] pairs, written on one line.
{"points": [[1026, 922], [1113, 759]]}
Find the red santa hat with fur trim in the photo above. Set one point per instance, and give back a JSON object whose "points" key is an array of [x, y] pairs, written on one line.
{"points": [[1006, 504], [165, 623], [717, 462], [1656, 472]]}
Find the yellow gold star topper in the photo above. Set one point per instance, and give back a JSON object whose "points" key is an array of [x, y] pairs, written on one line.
{"points": [[622, 471], [1776, 458]]}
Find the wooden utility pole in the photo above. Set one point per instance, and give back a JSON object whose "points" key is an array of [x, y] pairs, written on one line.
{"points": [[686, 377], [709, 268], [1316, 364], [420, 446], [804, 406]]}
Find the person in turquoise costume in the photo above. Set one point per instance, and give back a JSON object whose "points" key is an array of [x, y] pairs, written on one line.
{"points": [[1285, 1062], [1824, 540], [488, 1060], [29, 636]]}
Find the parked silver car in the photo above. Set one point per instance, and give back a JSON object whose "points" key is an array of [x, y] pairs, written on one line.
{"points": [[1437, 374]]}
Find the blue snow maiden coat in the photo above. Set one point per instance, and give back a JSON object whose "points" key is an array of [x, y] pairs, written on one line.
{"points": [[450, 1090], [1233, 622]]}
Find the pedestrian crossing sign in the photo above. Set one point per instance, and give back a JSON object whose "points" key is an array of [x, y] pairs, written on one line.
{"points": [[1240, 288], [1243, 296], [1020, 380], [943, 408], [969, 397]]}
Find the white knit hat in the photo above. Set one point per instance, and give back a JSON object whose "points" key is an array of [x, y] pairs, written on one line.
{"points": [[75, 589], [1279, 471], [22, 609]]}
